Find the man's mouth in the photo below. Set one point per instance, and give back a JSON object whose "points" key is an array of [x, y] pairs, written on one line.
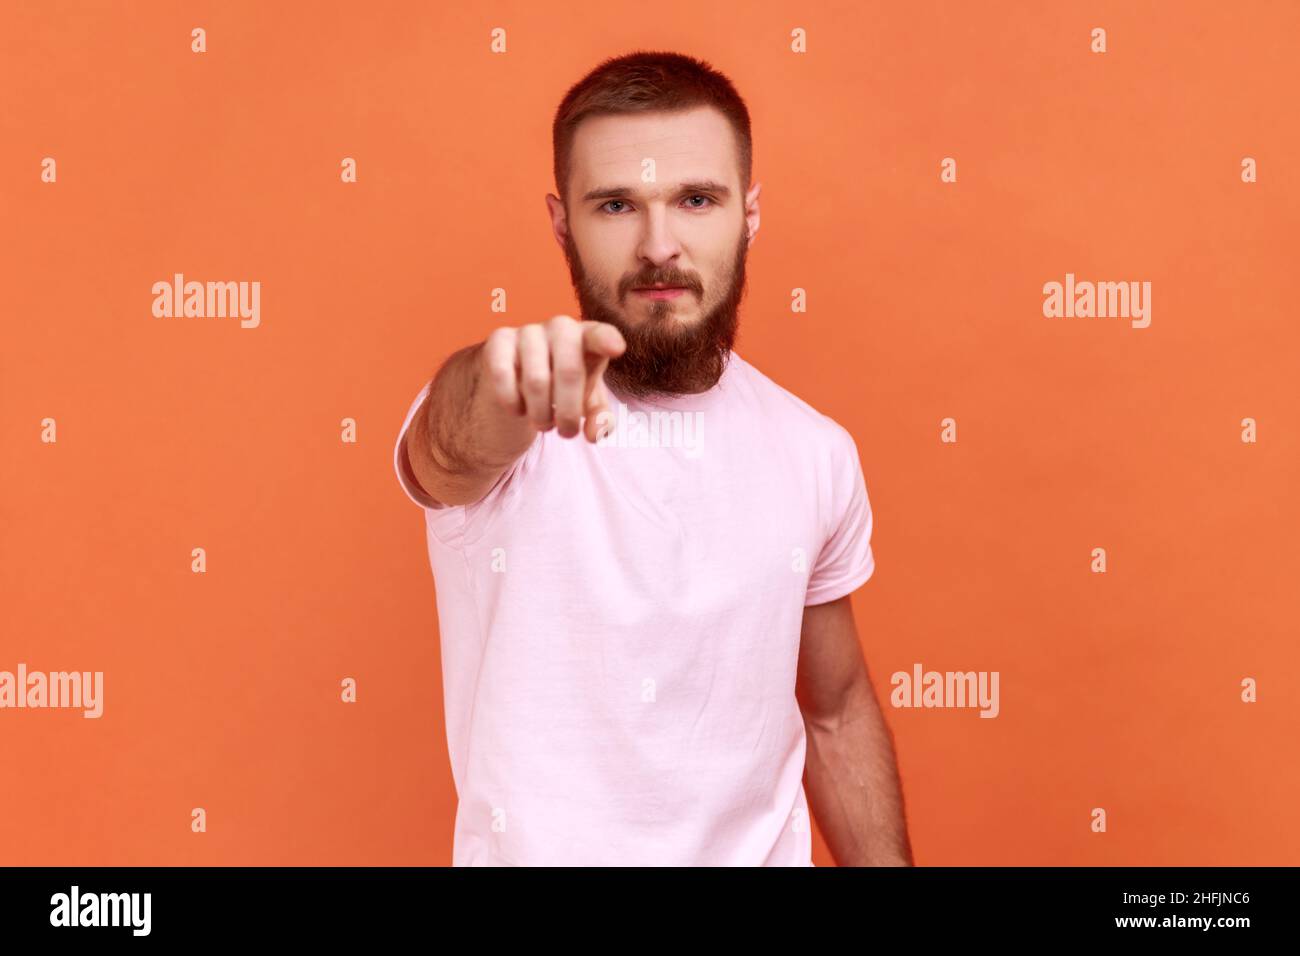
{"points": [[660, 291]]}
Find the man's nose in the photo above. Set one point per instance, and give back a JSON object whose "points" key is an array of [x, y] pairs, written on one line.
{"points": [[658, 244]]}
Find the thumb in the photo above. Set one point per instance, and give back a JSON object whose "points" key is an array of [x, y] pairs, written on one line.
{"points": [[599, 420]]}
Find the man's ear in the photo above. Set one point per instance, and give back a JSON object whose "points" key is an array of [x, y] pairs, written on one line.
{"points": [[559, 218], [751, 212]]}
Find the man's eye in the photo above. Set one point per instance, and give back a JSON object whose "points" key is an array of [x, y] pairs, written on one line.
{"points": [[708, 201]]}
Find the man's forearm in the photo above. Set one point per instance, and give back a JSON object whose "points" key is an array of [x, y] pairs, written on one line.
{"points": [[851, 780], [459, 441]]}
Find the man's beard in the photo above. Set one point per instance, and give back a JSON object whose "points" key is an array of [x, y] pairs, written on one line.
{"points": [[664, 357]]}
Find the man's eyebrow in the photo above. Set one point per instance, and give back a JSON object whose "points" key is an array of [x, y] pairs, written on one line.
{"points": [[623, 192]]}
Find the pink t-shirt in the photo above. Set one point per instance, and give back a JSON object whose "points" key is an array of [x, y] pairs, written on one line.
{"points": [[620, 628]]}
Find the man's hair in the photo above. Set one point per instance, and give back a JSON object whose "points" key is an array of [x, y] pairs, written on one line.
{"points": [[643, 81]]}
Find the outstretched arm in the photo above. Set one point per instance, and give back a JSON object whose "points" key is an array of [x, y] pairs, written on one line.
{"points": [[488, 402]]}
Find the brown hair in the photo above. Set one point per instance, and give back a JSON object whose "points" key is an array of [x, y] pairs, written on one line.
{"points": [[643, 81]]}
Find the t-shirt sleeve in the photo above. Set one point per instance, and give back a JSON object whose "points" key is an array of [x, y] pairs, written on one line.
{"points": [[405, 476], [846, 560]]}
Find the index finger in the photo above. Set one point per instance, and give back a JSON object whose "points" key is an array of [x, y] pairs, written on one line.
{"points": [[601, 338]]}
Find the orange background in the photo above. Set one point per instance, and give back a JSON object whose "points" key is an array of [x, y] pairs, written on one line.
{"points": [[1118, 690]]}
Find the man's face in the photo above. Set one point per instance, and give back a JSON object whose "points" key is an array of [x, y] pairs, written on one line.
{"points": [[689, 230]]}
